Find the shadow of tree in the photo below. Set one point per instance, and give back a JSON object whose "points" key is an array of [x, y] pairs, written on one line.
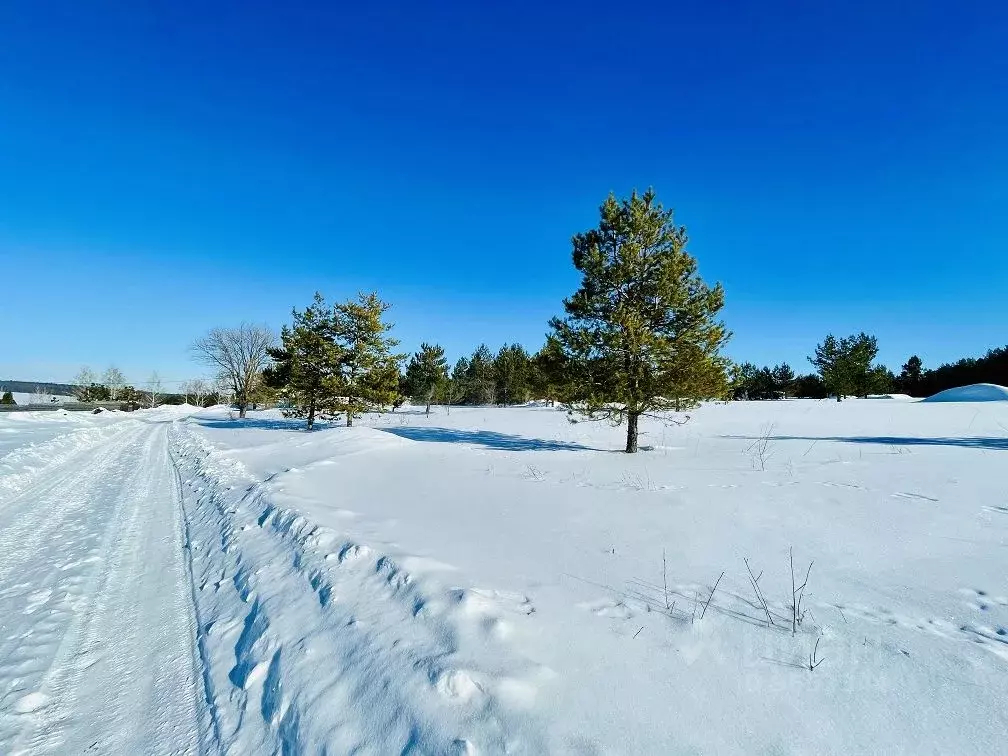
{"points": [[488, 439], [262, 423], [969, 442]]}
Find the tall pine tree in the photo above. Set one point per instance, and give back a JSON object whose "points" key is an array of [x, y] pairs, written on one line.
{"points": [[427, 370], [368, 377], [641, 333], [307, 365]]}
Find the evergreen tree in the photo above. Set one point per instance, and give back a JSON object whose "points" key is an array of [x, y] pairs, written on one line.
{"points": [[910, 376], [368, 376], [640, 334], [810, 387], [425, 373], [783, 379], [845, 364], [8, 398], [511, 374], [306, 367], [547, 372], [459, 381], [480, 377]]}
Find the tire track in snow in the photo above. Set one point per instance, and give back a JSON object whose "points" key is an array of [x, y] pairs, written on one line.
{"points": [[110, 665]]}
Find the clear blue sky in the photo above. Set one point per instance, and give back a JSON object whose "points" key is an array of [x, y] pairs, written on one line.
{"points": [[166, 167]]}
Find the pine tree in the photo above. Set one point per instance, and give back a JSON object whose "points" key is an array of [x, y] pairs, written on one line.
{"points": [[480, 377], [8, 398], [783, 378], [845, 365], [641, 333], [548, 376], [426, 371], [368, 377], [306, 367], [511, 373], [910, 376]]}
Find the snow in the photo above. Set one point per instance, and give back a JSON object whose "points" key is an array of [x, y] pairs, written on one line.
{"points": [[492, 581], [977, 392], [23, 398]]}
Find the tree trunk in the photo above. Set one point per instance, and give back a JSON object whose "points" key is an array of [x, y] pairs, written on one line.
{"points": [[349, 419], [241, 408], [631, 432], [311, 414], [838, 396]]}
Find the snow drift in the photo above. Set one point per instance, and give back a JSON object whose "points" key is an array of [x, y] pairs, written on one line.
{"points": [[977, 392]]}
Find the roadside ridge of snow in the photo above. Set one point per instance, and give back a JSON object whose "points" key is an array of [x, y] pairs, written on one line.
{"points": [[19, 468], [313, 642]]}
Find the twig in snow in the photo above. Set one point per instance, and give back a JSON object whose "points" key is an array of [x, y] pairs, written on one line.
{"points": [[797, 594], [638, 632], [665, 580], [711, 594], [760, 448], [813, 661], [759, 594]]}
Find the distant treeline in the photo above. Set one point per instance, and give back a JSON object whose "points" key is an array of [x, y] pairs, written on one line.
{"points": [[845, 367], [917, 380], [31, 387]]}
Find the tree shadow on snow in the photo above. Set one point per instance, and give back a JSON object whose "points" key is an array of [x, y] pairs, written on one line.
{"points": [[262, 423], [969, 442], [488, 439]]}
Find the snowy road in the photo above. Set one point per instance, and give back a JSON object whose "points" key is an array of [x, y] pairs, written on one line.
{"points": [[97, 629]]}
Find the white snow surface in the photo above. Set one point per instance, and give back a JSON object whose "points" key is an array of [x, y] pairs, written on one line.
{"points": [[977, 392], [491, 581]]}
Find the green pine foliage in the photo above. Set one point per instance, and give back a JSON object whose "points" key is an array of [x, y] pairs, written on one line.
{"points": [[336, 361], [511, 375], [306, 367], [368, 376], [845, 365], [480, 379], [641, 333], [8, 398], [426, 373]]}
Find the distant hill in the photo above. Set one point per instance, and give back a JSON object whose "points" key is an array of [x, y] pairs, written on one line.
{"points": [[29, 387]]}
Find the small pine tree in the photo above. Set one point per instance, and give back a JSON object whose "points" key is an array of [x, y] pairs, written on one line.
{"points": [[8, 398], [306, 366], [426, 371], [641, 333], [368, 377]]}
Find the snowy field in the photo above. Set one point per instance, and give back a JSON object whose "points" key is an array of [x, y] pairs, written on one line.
{"points": [[492, 581]]}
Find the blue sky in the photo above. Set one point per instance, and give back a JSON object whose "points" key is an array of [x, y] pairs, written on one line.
{"points": [[165, 167]]}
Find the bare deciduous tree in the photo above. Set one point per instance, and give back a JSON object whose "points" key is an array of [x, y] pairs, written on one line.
{"points": [[154, 388], [239, 356], [114, 382], [198, 388], [82, 384]]}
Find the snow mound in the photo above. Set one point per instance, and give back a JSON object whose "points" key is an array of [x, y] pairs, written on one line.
{"points": [[977, 392]]}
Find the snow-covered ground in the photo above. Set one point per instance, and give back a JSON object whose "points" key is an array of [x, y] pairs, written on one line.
{"points": [[503, 581]]}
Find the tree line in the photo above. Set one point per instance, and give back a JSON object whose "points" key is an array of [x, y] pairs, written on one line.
{"points": [[640, 337]]}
